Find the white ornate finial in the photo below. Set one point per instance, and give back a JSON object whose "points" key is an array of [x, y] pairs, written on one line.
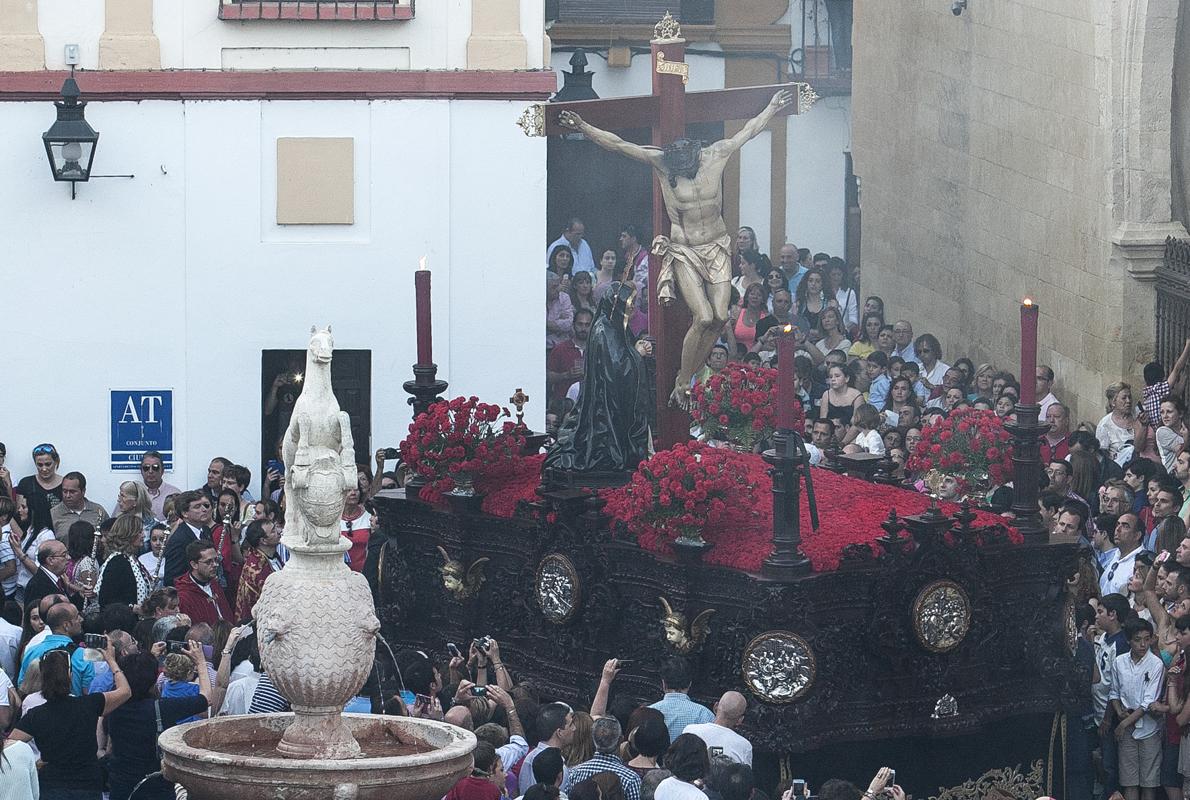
{"points": [[532, 121], [667, 30], [806, 97]]}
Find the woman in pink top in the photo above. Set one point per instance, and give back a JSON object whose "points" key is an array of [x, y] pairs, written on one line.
{"points": [[753, 307]]}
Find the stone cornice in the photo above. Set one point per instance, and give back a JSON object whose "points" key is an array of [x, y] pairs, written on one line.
{"points": [[775, 39]]}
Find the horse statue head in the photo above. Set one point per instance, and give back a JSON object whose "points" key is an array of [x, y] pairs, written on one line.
{"points": [[322, 345]]}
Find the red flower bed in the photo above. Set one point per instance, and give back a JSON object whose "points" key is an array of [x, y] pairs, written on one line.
{"points": [[968, 443], [685, 490], [850, 512], [738, 404], [462, 436]]}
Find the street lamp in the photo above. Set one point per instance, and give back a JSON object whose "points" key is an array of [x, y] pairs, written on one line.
{"points": [[70, 141]]}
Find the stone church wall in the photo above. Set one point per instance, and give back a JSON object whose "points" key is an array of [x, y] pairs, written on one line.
{"points": [[983, 149]]}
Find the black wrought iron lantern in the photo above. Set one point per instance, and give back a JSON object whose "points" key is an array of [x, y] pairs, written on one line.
{"points": [[70, 141]]}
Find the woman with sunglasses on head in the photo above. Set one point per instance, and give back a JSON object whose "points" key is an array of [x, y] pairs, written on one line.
{"points": [[64, 728], [43, 489]]}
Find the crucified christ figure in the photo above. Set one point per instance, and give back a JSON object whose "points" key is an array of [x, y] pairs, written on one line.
{"points": [[697, 254]]}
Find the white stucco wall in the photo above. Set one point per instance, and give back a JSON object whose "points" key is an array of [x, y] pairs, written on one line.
{"points": [[816, 187], [192, 37], [179, 277]]}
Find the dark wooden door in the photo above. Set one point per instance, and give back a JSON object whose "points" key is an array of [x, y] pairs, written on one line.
{"points": [[351, 380]]}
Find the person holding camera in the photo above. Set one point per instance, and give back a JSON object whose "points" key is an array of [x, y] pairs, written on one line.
{"points": [[66, 627], [64, 727], [133, 728]]}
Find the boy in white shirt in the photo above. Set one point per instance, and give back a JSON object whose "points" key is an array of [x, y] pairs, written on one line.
{"points": [[1138, 683]]}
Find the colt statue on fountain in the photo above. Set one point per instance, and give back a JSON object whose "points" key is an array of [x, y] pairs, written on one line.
{"points": [[317, 630]]}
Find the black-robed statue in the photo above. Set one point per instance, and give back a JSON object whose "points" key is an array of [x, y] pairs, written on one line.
{"points": [[608, 431]]}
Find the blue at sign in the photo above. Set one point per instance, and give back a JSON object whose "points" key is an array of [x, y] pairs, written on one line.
{"points": [[142, 420]]}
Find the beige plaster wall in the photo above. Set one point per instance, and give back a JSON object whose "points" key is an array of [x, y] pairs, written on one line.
{"points": [[986, 164]]}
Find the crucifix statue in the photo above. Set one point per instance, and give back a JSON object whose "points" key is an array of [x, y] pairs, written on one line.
{"points": [[690, 261], [697, 253]]}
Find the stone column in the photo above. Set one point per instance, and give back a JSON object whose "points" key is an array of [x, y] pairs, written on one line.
{"points": [[21, 46], [496, 41], [128, 40]]}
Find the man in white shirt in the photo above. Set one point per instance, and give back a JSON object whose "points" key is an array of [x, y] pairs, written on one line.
{"points": [[1138, 683], [793, 271], [10, 640], [903, 337], [152, 475], [572, 237], [1045, 382], [1115, 576], [720, 735]]}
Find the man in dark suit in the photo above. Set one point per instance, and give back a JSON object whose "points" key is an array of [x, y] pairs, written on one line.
{"points": [[195, 510], [48, 579]]}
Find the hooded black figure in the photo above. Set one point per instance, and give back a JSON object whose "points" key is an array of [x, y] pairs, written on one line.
{"points": [[608, 431]]}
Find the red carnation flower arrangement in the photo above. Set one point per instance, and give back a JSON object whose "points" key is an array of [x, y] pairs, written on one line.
{"points": [[462, 436], [739, 404], [970, 444], [682, 492]]}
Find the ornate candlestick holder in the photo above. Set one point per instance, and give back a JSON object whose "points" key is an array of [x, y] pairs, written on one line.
{"points": [[1026, 469], [425, 388], [787, 458]]}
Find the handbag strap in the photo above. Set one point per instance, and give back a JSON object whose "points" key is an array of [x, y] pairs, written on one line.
{"points": [[160, 727]]}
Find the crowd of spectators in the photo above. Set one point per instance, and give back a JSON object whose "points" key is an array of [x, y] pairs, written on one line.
{"points": [[1118, 485], [618, 748], [119, 624]]}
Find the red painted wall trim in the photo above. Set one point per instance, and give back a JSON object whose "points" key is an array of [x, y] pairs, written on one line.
{"points": [[316, 11], [281, 85]]}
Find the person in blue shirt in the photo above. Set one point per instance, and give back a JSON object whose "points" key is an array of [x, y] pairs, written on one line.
{"points": [[66, 627], [677, 707]]}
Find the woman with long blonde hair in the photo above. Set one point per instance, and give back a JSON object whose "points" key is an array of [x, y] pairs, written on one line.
{"points": [[133, 498]]}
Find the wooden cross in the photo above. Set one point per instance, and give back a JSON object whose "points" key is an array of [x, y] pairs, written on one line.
{"points": [[666, 112]]}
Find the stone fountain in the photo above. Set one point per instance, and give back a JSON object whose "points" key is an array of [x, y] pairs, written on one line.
{"points": [[317, 627]]}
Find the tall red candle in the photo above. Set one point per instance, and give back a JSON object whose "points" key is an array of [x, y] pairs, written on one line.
{"points": [[425, 340], [1029, 311], [786, 378]]}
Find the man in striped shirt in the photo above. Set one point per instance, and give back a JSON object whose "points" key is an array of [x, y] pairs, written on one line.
{"points": [[605, 733], [266, 699]]}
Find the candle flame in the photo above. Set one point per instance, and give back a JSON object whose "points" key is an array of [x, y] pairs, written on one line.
{"points": [[788, 329], [1028, 301], [298, 377], [421, 263]]}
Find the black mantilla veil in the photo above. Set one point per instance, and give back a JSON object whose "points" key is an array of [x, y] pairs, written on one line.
{"points": [[608, 431]]}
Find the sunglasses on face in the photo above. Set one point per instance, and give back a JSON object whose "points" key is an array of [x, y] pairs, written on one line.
{"points": [[150, 467]]}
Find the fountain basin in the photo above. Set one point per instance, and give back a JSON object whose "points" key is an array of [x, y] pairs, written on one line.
{"points": [[235, 757]]}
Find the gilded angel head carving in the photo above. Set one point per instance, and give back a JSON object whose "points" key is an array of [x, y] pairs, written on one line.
{"points": [[684, 638], [459, 582]]}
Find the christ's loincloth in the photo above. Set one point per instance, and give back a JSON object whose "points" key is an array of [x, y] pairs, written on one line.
{"points": [[711, 262]]}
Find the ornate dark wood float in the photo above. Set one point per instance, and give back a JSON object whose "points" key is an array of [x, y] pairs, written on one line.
{"points": [[954, 656]]}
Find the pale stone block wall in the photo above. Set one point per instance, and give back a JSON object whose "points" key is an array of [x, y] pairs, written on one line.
{"points": [[983, 147]]}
